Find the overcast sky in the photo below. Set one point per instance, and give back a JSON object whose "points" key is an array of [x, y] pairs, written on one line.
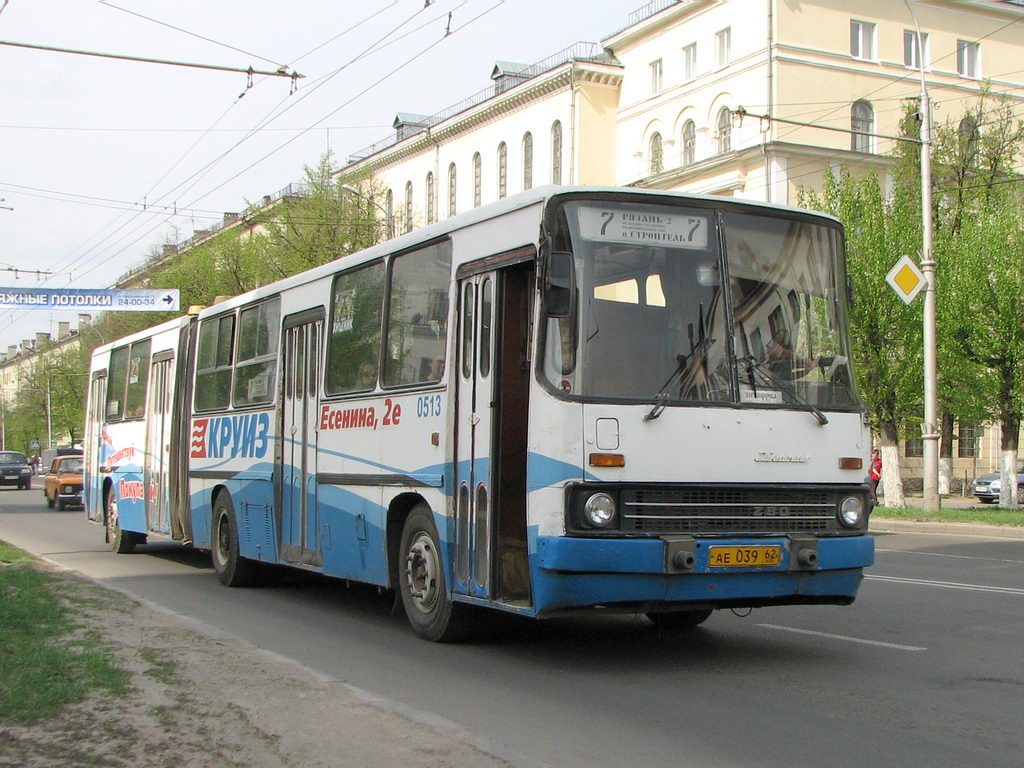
{"points": [[102, 160]]}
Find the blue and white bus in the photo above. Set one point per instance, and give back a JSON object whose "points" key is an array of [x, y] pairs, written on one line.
{"points": [[571, 398]]}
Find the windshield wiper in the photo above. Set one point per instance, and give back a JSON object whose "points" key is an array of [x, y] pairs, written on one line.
{"points": [[683, 362], [759, 366]]}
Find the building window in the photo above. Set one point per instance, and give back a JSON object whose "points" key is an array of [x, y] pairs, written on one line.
{"points": [[723, 47], [968, 59], [528, 160], [452, 210], [502, 170], [690, 62], [968, 440], [657, 154], [389, 213], [911, 53], [477, 180], [431, 213], [655, 67], [724, 133], [556, 153], [689, 142], [408, 206], [862, 40], [914, 448], [862, 125]]}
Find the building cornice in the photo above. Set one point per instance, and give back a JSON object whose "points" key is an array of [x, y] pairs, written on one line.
{"points": [[526, 94]]}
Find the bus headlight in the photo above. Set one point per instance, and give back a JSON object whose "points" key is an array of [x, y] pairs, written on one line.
{"points": [[599, 510], [851, 511]]}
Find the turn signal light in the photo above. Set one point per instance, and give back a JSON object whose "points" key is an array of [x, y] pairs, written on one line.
{"points": [[607, 460], [851, 462]]}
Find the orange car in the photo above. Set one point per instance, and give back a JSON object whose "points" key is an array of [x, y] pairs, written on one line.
{"points": [[62, 485]]}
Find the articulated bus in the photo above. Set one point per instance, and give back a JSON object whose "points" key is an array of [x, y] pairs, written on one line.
{"points": [[572, 398]]}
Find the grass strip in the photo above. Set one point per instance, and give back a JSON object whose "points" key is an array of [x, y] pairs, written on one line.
{"points": [[47, 661], [989, 515]]}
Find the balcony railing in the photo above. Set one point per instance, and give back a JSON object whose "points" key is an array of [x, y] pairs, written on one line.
{"points": [[656, 6]]}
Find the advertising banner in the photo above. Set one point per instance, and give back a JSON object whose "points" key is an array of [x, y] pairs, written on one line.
{"points": [[106, 300]]}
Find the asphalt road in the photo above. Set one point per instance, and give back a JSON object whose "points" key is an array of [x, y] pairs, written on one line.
{"points": [[925, 669]]}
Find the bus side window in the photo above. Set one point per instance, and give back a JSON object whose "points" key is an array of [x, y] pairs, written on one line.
{"points": [[417, 327], [353, 347], [256, 360], [213, 363]]}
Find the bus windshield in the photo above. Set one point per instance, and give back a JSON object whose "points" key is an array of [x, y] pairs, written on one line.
{"points": [[681, 304]]}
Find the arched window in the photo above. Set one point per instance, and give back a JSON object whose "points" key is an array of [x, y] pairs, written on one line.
{"points": [[452, 210], [689, 142], [389, 213], [408, 206], [477, 178], [502, 170], [431, 217], [657, 154], [527, 160], [556, 152], [724, 130], [862, 125]]}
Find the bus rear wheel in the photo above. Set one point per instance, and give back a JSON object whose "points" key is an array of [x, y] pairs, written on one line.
{"points": [[232, 569], [422, 584], [121, 542], [677, 620]]}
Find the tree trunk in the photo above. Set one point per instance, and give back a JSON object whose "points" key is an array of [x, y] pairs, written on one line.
{"points": [[1008, 465], [892, 483], [946, 454]]}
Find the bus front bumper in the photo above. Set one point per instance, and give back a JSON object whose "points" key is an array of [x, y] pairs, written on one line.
{"points": [[580, 572]]}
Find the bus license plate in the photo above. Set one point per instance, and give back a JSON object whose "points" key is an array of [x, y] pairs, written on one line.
{"points": [[744, 557]]}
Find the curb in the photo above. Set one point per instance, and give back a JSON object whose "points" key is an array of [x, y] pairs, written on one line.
{"points": [[892, 525]]}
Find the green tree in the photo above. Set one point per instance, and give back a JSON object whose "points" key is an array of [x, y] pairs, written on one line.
{"points": [[885, 332]]}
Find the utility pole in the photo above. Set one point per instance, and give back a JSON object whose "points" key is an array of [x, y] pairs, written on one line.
{"points": [[930, 429]]}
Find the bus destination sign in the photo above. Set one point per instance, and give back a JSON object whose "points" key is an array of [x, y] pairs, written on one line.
{"points": [[644, 226]]}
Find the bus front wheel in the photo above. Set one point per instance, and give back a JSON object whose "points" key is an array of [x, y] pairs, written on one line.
{"points": [[422, 584], [232, 569]]}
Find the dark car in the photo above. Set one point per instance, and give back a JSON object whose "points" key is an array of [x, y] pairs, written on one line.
{"points": [[987, 487], [14, 470]]}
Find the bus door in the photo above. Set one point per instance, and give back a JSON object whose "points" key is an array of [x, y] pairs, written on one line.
{"points": [[299, 522], [492, 393], [158, 436], [95, 447]]}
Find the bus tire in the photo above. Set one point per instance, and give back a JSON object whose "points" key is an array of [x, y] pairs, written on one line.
{"points": [[121, 542], [422, 584], [232, 569], [677, 620]]}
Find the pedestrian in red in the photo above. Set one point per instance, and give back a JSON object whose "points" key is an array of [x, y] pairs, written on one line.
{"points": [[875, 471]]}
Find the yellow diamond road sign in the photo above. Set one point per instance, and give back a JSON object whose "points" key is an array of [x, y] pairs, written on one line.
{"points": [[906, 279]]}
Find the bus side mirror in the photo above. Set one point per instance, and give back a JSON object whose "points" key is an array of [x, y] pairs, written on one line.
{"points": [[561, 277]]}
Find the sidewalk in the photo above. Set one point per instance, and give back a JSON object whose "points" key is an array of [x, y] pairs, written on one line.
{"points": [[891, 525]]}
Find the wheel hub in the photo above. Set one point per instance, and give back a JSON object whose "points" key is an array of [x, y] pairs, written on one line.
{"points": [[422, 567]]}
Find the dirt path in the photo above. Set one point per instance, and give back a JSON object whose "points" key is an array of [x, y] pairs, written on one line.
{"points": [[211, 701]]}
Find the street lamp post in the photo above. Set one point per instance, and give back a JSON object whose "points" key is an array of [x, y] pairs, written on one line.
{"points": [[930, 432]]}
